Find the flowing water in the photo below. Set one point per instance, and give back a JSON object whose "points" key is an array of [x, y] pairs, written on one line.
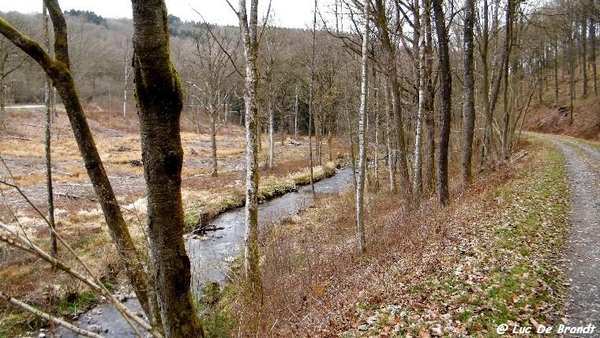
{"points": [[211, 255]]}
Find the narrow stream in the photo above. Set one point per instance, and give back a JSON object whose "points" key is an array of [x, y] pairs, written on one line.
{"points": [[211, 255]]}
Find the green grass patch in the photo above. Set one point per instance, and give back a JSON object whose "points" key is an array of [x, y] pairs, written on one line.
{"points": [[77, 302], [527, 240]]}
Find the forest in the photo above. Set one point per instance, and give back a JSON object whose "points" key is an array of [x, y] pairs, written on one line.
{"points": [[398, 168]]}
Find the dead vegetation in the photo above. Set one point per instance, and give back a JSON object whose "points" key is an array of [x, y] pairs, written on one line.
{"points": [[80, 221], [491, 257]]}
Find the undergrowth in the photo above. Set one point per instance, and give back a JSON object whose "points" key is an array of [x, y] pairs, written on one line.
{"points": [[489, 258]]}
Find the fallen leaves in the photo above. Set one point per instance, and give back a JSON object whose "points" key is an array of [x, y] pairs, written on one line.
{"points": [[502, 266]]}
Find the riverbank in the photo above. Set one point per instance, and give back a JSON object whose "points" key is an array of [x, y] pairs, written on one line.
{"points": [[493, 256]]}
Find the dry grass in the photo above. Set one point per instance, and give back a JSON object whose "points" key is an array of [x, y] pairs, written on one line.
{"points": [[315, 283], [80, 221]]}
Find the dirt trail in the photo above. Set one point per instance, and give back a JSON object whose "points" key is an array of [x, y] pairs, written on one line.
{"points": [[582, 305]]}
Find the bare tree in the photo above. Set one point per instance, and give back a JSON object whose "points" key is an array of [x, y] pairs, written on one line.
{"points": [[249, 31], [362, 146], [211, 60], [10, 61], [49, 103], [159, 112], [391, 71], [469, 96], [59, 72], [311, 98], [446, 96]]}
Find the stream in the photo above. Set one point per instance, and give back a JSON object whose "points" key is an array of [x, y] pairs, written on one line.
{"points": [[211, 255]]}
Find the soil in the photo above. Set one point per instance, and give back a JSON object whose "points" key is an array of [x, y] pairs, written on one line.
{"points": [[582, 306]]}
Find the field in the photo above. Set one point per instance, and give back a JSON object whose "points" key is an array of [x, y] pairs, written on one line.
{"points": [[78, 216]]}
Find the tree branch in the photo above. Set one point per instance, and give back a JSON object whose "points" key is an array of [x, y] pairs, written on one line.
{"points": [[47, 316], [28, 246]]}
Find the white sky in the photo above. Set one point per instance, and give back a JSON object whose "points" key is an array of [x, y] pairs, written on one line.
{"points": [[285, 13]]}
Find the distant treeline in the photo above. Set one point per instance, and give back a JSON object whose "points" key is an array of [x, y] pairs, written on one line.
{"points": [[87, 16]]}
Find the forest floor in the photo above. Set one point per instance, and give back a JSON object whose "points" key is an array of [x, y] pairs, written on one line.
{"points": [[502, 253]]}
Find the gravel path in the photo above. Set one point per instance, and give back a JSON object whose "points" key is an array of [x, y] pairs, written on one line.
{"points": [[582, 305]]}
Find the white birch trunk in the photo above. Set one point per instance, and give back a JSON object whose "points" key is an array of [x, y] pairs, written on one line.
{"points": [[360, 183], [417, 163], [251, 254]]}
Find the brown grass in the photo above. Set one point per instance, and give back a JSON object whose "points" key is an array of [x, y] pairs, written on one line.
{"points": [[79, 221], [314, 280]]}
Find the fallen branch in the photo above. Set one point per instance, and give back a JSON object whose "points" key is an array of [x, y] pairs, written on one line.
{"points": [[519, 157], [49, 317]]}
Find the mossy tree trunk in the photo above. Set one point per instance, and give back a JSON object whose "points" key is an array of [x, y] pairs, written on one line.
{"points": [[159, 102], [58, 71], [248, 27]]}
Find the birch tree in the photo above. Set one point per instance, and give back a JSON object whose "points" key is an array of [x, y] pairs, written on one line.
{"points": [[249, 32], [362, 146]]}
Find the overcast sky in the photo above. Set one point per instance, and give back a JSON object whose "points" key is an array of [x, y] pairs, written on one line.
{"points": [[286, 13]]}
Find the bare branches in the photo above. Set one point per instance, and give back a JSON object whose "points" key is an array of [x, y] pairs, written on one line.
{"points": [[47, 316], [223, 49], [25, 244]]}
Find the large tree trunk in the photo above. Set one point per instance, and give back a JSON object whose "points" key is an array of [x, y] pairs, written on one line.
{"points": [[446, 94], [62, 79], [159, 99], [469, 103]]}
